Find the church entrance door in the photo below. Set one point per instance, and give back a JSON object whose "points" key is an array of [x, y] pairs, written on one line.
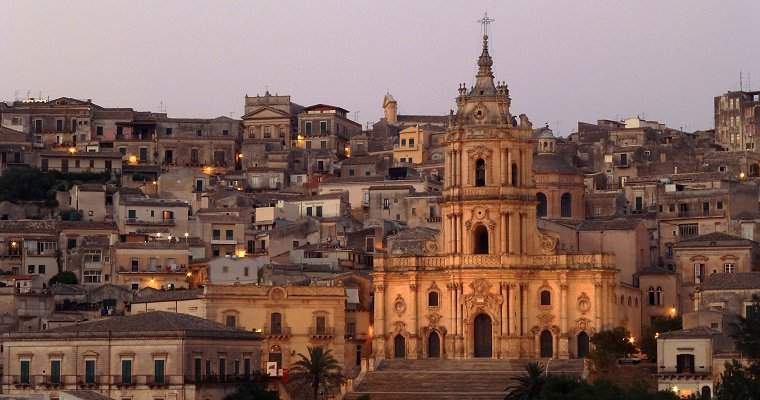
{"points": [[434, 345], [547, 344], [582, 345], [482, 336], [399, 346]]}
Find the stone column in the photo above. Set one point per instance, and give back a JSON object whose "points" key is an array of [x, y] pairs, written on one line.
{"points": [[513, 228], [455, 169], [509, 166], [524, 308], [447, 234], [504, 332], [598, 304], [563, 346], [452, 327], [460, 234], [414, 348], [460, 318], [514, 309], [450, 169], [503, 235], [379, 321], [502, 161]]}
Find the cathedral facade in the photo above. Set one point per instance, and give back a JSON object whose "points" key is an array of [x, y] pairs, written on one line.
{"points": [[490, 284]]}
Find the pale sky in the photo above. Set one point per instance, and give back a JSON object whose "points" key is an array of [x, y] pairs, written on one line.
{"points": [[563, 60]]}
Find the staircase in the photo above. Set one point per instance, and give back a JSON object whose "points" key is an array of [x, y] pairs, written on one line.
{"points": [[480, 379]]}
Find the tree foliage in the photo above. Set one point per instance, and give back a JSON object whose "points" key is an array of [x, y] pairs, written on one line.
{"points": [[536, 385], [609, 346], [317, 373], [742, 381], [66, 277], [22, 184], [252, 391], [659, 325]]}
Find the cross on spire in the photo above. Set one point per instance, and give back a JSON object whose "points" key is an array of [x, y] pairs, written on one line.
{"points": [[484, 22]]}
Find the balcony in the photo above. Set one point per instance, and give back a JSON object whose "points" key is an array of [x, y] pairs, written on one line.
{"points": [[156, 222], [282, 333], [96, 265], [216, 379], [325, 333], [157, 381], [433, 219], [159, 269]]}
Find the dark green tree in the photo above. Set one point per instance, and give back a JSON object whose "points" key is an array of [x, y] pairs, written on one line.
{"points": [[66, 277], [26, 184], [610, 345], [319, 372], [742, 381], [648, 342], [252, 391], [528, 386]]}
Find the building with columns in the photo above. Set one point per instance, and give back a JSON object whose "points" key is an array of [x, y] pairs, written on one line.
{"points": [[490, 284]]}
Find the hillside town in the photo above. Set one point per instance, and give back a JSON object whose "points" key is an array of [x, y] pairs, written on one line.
{"points": [[144, 256]]}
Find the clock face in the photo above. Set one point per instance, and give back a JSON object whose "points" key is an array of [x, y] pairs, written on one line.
{"points": [[480, 112]]}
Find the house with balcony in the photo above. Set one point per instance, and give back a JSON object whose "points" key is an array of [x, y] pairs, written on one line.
{"points": [[156, 264], [326, 127], [142, 357], [73, 160], [29, 247], [150, 215], [223, 230]]}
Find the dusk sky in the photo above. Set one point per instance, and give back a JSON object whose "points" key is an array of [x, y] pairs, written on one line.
{"points": [[564, 61]]}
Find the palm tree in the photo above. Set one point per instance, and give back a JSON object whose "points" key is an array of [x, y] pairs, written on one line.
{"points": [[527, 387], [319, 370]]}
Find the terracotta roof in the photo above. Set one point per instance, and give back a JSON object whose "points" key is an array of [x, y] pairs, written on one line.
{"points": [[715, 239], [698, 332], [154, 296], [552, 162], [154, 322], [735, 281], [22, 226], [617, 224]]}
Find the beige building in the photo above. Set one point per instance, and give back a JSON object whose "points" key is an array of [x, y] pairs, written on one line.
{"points": [[73, 160], [90, 201], [290, 317], [492, 285], [148, 215], [710, 254], [149, 356], [29, 247], [560, 190], [410, 146], [158, 264]]}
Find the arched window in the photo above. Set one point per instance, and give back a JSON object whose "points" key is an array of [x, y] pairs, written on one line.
{"points": [[659, 295], [622, 300], [651, 296], [480, 240], [546, 298], [275, 323], [541, 208], [566, 205], [629, 301], [480, 172], [433, 299], [515, 174]]}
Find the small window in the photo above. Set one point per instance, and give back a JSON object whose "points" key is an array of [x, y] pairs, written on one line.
{"points": [[230, 321], [546, 298], [216, 234], [433, 299], [729, 268]]}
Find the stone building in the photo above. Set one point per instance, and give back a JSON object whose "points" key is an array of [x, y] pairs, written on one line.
{"points": [[737, 120], [156, 355], [559, 185], [491, 285]]}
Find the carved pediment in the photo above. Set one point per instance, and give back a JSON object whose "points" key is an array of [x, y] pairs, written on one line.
{"points": [[266, 112], [481, 297], [399, 305], [546, 318], [433, 319]]}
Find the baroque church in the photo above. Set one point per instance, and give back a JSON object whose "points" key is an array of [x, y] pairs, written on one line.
{"points": [[490, 284]]}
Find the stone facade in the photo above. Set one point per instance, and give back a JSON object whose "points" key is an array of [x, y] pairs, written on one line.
{"points": [[491, 285]]}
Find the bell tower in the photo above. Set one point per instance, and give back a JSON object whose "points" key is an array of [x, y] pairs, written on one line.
{"points": [[489, 198]]}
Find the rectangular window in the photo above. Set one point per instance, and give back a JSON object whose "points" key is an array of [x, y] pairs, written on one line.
{"points": [[699, 272], [58, 125], [231, 321], [323, 127], [216, 234], [143, 154], [126, 372], [411, 142], [237, 367], [686, 231], [267, 132], [158, 371], [323, 144], [386, 204], [89, 372], [209, 372], [319, 211], [30, 269], [321, 325], [197, 369], [222, 368], [403, 142], [55, 371], [41, 269], [308, 211], [229, 234], [729, 268], [247, 366], [131, 214], [99, 130], [24, 372], [168, 131], [225, 132], [307, 127], [719, 205]]}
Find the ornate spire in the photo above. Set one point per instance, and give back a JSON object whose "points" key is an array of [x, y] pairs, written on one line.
{"points": [[484, 84]]}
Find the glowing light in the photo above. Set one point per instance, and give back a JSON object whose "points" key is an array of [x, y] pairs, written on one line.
{"points": [[656, 335], [72, 150], [132, 159], [240, 156], [14, 244], [187, 234], [632, 339], [208, 170], [189, 274], [674, 389], [241, 253], [673, 311], [741, 175], [155, 182]]}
